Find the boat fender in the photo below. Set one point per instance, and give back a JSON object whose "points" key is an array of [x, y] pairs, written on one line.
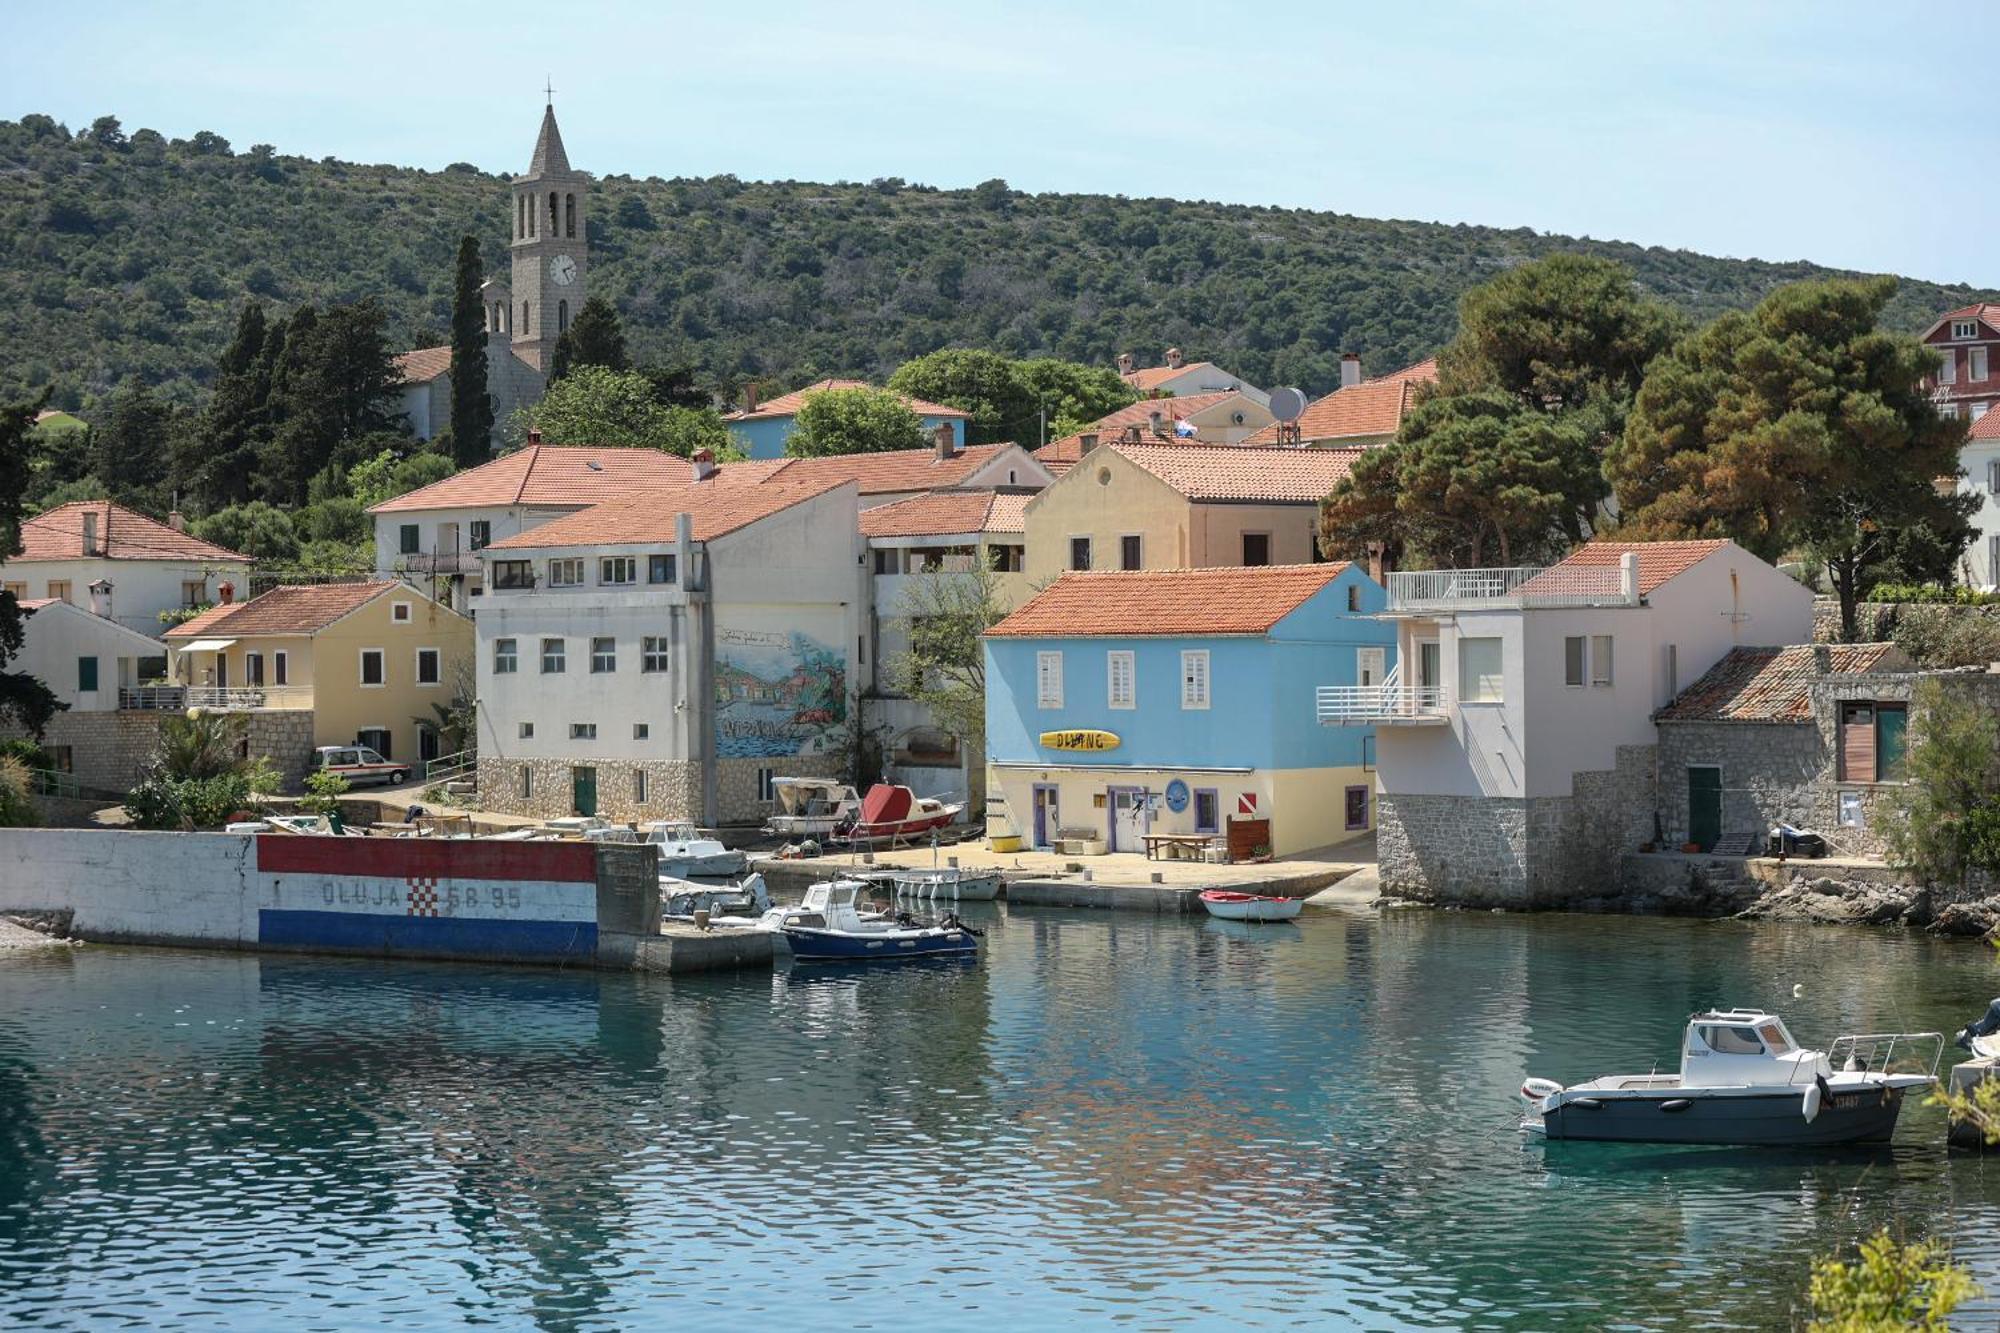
{"points": [[1810, 1107], [1677, 1104], [1587, 1103]]}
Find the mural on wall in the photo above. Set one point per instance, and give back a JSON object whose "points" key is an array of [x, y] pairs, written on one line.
{"points": [[777, 694]]}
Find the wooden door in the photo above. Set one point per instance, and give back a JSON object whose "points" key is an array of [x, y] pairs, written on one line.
{"points": [[1704, 805]]}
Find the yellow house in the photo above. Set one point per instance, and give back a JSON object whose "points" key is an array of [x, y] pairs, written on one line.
{"points": [[366, 662], [1181, 506]]}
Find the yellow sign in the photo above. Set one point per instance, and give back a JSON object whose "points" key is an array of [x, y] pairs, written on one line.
{"points": [[1079, 740]]}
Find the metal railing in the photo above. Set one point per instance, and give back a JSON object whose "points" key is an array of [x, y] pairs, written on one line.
{"points": [[153, 698], [1517, 585], [440, 562], [448, 766], [1368, 704], [217, 696]]}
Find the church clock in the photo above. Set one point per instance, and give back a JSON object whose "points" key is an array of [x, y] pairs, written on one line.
{"points": [[562, 270]]}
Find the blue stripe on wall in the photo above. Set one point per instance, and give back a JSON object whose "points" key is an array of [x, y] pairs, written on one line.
{"points": [[429, 936]]}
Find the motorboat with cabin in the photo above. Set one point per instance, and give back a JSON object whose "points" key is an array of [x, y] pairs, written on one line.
{"points": [[829, 926], [684, 852], [890, 813], [1743, 1080], [811, 807]]}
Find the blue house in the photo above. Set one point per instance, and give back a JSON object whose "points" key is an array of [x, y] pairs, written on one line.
{"points": [[1126, 703], [761, 429]]}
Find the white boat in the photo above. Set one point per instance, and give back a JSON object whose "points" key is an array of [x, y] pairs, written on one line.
{"points": [[685, 852], [1744, 1081], [958, 885], [1230, 905], [811, 807], [727, 905], [829, 927]]}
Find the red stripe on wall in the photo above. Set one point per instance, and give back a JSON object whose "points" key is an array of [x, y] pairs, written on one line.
{"points": [[409, 858]]}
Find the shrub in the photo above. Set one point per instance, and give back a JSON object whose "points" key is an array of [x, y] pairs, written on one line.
{"points": [[1931, 594], [1944, 636], [1891, 1285], [324, 789]]}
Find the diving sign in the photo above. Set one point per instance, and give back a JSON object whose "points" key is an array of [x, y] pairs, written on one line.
{"points": [[1079, 740]]}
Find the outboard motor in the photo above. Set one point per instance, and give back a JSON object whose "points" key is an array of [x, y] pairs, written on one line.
{"points": [[760, 897], [1984, 1026]]}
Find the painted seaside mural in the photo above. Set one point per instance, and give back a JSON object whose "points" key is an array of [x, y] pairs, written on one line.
{"points": [[777, 694]]}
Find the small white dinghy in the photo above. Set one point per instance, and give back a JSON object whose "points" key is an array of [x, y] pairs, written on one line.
{"points": [[1230, 905]]}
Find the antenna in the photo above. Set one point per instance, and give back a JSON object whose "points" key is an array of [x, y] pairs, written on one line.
{"points": [[1287, 405]]}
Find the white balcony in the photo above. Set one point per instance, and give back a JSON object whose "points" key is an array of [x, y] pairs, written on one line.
{"points": [[1523, 586], [1383, 705]]}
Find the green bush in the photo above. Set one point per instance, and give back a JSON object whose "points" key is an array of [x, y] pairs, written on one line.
{"points": [[1941, 637], [1931, 594]]}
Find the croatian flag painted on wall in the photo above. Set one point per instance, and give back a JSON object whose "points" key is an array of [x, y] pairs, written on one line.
{"points": [[432, 898]]}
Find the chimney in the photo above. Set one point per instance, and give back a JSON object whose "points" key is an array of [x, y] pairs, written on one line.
{"points": [[1158, 421], [684, 550], [177, 521], [1086, 442], [704, 464], [1628, 577], [90, 532], [1124, 363], [1350, 369], [100, 598], [225, 592], [534, 437], [750, 396], [1133, 433], [947, 440], [1174, 358]]}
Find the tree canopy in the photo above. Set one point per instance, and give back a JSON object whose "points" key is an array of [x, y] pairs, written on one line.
{"points": [[24, 701], [593, 405], [594, 338], [854, 421], [1025, 402]]}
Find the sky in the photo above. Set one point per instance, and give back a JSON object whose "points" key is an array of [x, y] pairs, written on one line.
{"points": [[1780, 131]]}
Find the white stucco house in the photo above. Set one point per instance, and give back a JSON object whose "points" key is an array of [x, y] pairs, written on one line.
{"points": [[127, 567], [94, 666], [1979, 459], [1515, 737], [1178, 377], [668, 654]]}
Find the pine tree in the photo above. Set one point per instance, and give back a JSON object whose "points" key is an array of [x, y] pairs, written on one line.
{"points": [[217, 463], [593, 338], [128, 452], [471, 406], [24, 700]]}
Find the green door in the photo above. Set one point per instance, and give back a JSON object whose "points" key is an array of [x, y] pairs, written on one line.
{"points": [[583, 790], [1704, 805]]}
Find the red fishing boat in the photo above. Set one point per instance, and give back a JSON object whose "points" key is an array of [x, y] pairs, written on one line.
{"points": [[1230, 905], [890, 813]]}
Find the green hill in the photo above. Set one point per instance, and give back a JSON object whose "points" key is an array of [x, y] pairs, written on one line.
{"points": [[130, 256]]}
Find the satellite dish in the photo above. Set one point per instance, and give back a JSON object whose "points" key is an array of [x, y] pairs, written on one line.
{"points": [[1287, 404]]}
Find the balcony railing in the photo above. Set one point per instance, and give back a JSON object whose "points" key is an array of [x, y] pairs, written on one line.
{"points": [[1513, 586], [440, 562], [1382, 705], [173, 698]]}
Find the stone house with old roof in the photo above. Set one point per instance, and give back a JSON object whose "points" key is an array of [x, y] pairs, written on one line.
{"points": [[1227, 417], [120, 564], [762, 428], [1181, 506], [1125, 704], [1178, 377], [1359, 414]]}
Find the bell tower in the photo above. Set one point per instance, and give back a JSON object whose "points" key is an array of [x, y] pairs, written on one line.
{"points": [[551, 251]]}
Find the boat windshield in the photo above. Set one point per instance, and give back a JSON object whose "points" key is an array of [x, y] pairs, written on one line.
{"points": [[1774, 1040], [1732, 1040]]}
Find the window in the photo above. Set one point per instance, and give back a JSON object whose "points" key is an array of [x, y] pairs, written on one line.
{"points": [[569, 216], [562, 317], [481, 533], [614, 570], [1128, 553], [407, 540], [399, 612], [1479, 671], [280, 667], [583, 731], [527, 731], [430, 666], [1194, 678], [1079, 553], [1993, 477], [506, 657], [1575, 649], [18, 591], [639, 786], [63, 757], [1964, 328], [1979, 410], [371, 667], [1892, 744], [194, 592], [659, 569], [513, 574], [603, 656], [1357, 808], [1120, 686], [1048, 680], [1207, 806], [86, 674], [1256, 548], [1007, 559], [1949, 410], [1600, 659], [375, 738], [553, 663], [527, 783], [1874, 742], [767, 784], [566, 573], [253, 668], [653, 655], [642, 731], [1353, 594], [1732, 1041], [59, 589], [885, 560], [1975, 364], [1948, 367]]}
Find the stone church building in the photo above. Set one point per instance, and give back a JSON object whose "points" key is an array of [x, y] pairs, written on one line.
{"points": [[524, 316]]}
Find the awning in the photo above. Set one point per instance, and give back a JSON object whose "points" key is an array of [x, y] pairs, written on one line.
{"points": [[206, 645]]}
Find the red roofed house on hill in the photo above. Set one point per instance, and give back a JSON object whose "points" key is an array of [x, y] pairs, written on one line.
{"points": [[763, 427], [1515, 740], [1967, 384], [1178, 377], [120, 564], [1227, 417], [1360, 413]]}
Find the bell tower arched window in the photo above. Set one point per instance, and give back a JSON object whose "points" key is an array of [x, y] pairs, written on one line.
{"points": [[555, 222], [526, 322], [494, 325], [562, 317], [529, 203], [520, 217], [569, 216]]}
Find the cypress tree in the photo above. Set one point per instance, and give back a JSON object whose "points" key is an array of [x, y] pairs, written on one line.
{"points": [[24, 700], [216, 466], [593, 338], [471, 406]]}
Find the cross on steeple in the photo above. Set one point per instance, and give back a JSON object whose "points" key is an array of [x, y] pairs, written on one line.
{"points": [[549, 88]]}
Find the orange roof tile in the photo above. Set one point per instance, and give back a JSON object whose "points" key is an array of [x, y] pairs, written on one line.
{"points": [[552, 474], [1059, 454], [1987, 427], [888, 472], [1371, 408], [1156, 602], [649, 516], [1148, 378], [1423, 372], [424, 364], [946, 513], [1987, 312], [286, 609], [1658, 562], [1243, 472], [788, 404], [122, 534], [1775, 684]]}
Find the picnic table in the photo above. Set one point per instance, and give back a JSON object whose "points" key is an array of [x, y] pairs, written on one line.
{"points": [[1177, 846]]}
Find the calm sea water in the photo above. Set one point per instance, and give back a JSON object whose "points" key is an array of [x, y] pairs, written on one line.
{"points": [[1109, 1120]]}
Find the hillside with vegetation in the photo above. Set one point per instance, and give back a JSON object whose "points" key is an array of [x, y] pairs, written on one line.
{"points": [[128, 256]]}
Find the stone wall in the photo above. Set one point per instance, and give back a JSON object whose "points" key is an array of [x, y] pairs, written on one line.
{"points": [[670, 789], [285, 737], [1875, 622], [1771, 772], [107, 750]]}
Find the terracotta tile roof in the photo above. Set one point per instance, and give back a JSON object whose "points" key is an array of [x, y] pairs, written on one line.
{"points": [[1158, 602], [945, 513], [1149, 378], [35, 604], [1059, 454], [1371, 408], [788, 404], [889, 472], [1593, 567], [286, 609], [1987, 427], [122, 534], [424, 364], [1423, 372], [1986, 312], [648, 517], [1242, 472], [552, 474], [1774, 684]]}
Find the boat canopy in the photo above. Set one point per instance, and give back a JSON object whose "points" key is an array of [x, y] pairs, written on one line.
{"points": [[885, 804]]}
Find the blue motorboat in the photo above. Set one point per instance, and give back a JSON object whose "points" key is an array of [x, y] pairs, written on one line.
{"points": [[830, 927]]}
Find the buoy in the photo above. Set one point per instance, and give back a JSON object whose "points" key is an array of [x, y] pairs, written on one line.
{"points": [[1677, 1104], [1810, 1110], [1798, 990]]}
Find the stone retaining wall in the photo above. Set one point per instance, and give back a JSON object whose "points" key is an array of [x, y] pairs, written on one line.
{"points": [[1875, 622]]}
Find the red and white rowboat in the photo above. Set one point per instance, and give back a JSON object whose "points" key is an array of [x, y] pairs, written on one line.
{"points": [[1230, 905]]}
